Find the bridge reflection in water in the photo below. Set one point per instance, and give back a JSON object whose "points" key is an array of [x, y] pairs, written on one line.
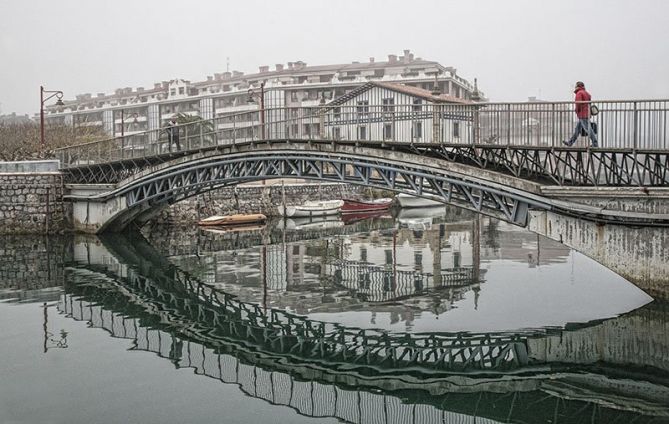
{"points": [[359, 375]]}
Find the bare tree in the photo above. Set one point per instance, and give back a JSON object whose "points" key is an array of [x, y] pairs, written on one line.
{"points": [[21, 141]]}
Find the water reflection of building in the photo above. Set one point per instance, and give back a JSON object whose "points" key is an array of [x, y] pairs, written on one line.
{"points": [[403, 271]]}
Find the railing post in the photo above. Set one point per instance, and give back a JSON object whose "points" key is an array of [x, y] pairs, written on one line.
{"points": [[477, 129], [436, 123], [635, 127]]}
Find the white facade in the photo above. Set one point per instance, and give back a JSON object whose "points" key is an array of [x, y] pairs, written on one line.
{"points": [[297, 85], [393, 112]]}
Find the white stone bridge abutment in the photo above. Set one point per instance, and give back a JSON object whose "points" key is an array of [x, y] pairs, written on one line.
{"points": [[638, 253]]}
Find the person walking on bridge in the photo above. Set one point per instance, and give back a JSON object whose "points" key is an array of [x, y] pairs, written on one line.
{"points": [[173, 134], [583, 114]]}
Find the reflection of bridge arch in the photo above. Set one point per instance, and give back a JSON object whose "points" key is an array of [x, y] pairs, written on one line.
{"points": [[152, 314]]}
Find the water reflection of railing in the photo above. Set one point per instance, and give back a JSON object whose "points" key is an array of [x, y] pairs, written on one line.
{"points": [[309, 398], [346, 394]]}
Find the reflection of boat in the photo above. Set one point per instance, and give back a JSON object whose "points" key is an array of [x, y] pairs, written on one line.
{"points": [[238, 219], [409, 201], [356, 206], [312, 208], [350, 218], [318, 223], [426, 212], [416, 224], [234, 228]]}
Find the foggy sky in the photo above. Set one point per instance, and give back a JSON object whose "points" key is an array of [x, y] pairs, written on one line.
{"points": [[516, 48]]}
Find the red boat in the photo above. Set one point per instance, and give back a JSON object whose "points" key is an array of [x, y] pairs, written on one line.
{"points": [[355, 206]]}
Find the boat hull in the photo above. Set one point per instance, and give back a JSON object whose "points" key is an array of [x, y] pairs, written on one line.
{"points": [[358, 206], [238, 219], [409, 201], [311, 209]]}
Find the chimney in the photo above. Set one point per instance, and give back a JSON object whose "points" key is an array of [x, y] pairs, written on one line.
{"points": [[290, 65], [140, 89], [405, 58], [157, 85], [263, 69], [210, 78], [279, 66], [226, 75], [371, 60], [410, 57], [300, 65], [392, 58], [101, 94], [236, 74]]}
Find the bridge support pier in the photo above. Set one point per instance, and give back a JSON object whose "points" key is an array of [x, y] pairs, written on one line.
{"points": [[639, 254], [90, 214]]}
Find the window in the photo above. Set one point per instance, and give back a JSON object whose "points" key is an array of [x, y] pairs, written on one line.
{"points": [[388, 104], [293, 96], [417, 105], [173, 92], [417, 130], [363, 107], [336, 113], [336, 133], [456, 129], [388, 132], [362, 132], [181, 90]]}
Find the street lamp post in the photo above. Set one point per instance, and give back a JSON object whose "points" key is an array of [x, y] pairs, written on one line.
{"points": [[262, 106], [42, 100]]}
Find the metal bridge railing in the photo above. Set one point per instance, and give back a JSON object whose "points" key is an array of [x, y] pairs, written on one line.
{"points": [[634, 124]]}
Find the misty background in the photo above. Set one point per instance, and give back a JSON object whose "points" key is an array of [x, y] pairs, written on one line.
{"points": [[516, 48]]}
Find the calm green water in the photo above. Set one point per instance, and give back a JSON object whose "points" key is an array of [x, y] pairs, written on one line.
{"points": [[420, 319]]}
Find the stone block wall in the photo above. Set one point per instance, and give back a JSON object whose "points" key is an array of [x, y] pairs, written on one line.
{"points": [[32, 203], [29, 263]]}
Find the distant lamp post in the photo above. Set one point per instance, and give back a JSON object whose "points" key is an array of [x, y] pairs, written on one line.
{"points": [[261, 96], [42, 100]]}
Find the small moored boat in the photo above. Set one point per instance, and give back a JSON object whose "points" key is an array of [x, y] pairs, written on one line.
{"points": [[409, 201], [356, 206], [312, 208], [237, 219]]}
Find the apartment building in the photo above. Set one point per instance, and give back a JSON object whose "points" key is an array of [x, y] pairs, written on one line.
{"points": [[129, 111]]}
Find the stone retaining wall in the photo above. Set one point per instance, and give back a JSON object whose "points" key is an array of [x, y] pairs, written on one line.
{"points": [[32, 203], [30, 262]]}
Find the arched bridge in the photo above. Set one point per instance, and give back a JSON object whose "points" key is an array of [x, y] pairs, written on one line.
{"points": [[494, 168]]}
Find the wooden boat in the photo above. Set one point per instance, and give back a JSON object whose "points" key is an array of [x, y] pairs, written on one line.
{"points": [[356, 206], [409, 201], [311, 209], [238, 219]]}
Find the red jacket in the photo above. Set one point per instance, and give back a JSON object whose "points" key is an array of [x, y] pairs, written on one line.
{"points": [[582, 109]]}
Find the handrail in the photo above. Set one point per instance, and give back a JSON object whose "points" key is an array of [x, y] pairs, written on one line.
{"points": [[636, 124]]}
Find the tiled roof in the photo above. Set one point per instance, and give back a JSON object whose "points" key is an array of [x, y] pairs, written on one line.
{"points": [[400, 88]]}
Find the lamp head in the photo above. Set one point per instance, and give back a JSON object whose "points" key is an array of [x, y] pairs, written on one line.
{"points": [[250, 99], [59, 96]]}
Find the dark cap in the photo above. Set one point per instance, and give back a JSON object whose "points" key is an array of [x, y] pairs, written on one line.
{"points": [[580, 84]]}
